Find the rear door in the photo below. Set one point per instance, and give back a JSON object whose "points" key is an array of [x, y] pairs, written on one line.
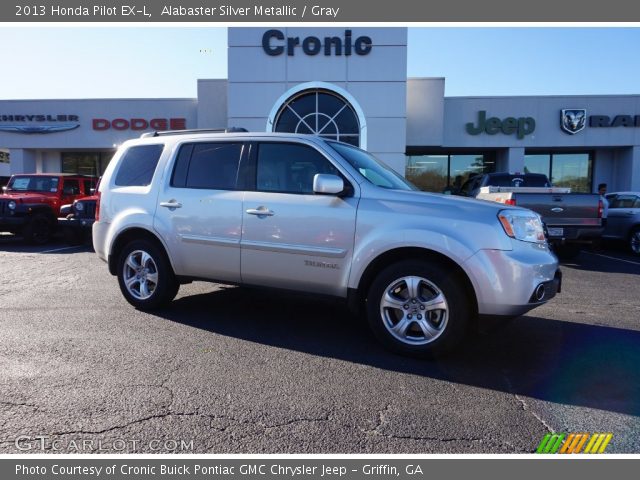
{"points": [[293, 238], [199, 211]]}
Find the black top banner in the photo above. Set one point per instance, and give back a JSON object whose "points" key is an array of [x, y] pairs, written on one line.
{"points": [[326, 11]]}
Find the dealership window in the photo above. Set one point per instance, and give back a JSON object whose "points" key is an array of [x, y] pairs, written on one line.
{"points": [[319, 112], [573, 170], [435, 173], [4, 156], [86, 163]]}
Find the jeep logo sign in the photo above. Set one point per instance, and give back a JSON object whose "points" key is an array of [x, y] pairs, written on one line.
{"points": [[274, 43], [521, 126]]}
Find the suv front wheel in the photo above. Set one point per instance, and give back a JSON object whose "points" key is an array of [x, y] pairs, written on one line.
{"points": [[145, 276], [418, 308]]}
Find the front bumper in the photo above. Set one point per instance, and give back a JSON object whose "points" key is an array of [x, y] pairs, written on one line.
{"points": [[10, 223], [576, 234], [512, 282], [76, 223]]}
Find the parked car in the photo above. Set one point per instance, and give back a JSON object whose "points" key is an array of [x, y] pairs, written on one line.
{"points": [[30, 205], [304, 213], [623, 220], [76, 220], [571, 219]]}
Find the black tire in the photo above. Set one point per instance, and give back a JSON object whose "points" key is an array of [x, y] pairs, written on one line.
{"points": [[166, 285], [38, 229], [448, 325], [634, 240], [567, 252], [73, 236]]}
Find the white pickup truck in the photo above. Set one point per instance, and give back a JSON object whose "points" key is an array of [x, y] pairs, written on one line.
{"points": [[571, 219]]}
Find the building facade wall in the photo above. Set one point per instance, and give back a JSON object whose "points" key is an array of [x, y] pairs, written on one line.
{"points": [[376, 82]]}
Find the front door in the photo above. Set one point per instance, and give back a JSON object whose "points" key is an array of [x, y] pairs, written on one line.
{"points": [[293, 238]]}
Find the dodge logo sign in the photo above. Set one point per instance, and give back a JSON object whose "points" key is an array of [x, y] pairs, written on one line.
{"points": [[573, 120]]}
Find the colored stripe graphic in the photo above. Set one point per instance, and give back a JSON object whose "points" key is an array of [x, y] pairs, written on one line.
{"points": [[574, 442], [551, 443]]}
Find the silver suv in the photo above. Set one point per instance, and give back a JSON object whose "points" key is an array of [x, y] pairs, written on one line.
{"points": [[309, 214]]}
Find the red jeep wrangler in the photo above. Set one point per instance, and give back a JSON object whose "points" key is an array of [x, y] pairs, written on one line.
{"points": [[31, 203]]}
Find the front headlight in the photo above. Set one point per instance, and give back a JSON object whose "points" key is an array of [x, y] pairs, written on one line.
{"points": [[522, 225], [11, 205], [79, 206]]}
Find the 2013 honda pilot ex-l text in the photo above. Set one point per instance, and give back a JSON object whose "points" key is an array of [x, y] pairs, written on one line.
{"points": [[304, 213]]}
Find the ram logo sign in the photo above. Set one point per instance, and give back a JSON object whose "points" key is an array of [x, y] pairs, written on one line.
{"points": [[573, 120], [574, 443]]}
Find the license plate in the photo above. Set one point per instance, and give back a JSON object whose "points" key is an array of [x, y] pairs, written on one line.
{"points": [[555, 232]]}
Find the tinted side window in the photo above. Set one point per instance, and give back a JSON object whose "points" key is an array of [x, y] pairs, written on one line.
{"points": [[623, 201], [289, 168], [137, 165], [71, 187], [214, 166], [88, 185]]}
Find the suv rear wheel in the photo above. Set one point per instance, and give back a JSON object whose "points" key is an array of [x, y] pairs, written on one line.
{"points": [[418, 308], [145, 276]]}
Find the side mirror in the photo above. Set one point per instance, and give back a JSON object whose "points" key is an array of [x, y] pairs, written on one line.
{"points": [[92, 191], [4, 189], [326, 184]]}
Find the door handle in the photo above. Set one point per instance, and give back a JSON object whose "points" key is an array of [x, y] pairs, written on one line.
{"points": [[171, 204], [260, 211]]}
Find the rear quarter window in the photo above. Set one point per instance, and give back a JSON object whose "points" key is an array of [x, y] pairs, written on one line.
{"points": [[138, 165]]}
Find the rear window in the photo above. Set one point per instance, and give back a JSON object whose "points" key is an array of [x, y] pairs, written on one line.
{"points": [[137, 165], [530, 180]]}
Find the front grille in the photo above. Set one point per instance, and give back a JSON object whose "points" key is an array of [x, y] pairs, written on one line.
{"points": [[89, 210], [3, 207]]}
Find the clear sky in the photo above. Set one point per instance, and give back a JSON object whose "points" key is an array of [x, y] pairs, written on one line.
{"points": [[114, 62]]}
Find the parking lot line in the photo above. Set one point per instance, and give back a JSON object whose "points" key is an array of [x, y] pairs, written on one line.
{"points": [[613, 258], [58, 249]]}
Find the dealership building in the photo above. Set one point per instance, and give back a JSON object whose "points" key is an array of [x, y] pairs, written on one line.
{"points": [[348, 84]]}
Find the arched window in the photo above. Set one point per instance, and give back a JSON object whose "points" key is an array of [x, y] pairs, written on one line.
{"points": [[320, 112]]}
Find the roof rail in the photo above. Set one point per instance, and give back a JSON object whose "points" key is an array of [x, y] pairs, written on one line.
{"points": [[195, 130]]}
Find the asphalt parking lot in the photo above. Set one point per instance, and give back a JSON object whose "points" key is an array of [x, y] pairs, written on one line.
{"points": [[232, 370]]}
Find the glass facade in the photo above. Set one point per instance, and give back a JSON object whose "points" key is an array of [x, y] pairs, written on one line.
{"points": [[86, 163], [435, 173], [573, 170]]}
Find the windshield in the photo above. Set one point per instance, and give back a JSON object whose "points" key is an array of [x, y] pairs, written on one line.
{"points": [[371, 168], [33, 184]]}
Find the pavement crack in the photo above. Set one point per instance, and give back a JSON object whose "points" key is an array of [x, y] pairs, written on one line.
{"points": [[19, 404], [294, 421], [524, 405], [129, 424]]}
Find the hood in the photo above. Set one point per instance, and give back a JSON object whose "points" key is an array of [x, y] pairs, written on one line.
{"points": [[26, 197], [438, 199], [91, 198]]}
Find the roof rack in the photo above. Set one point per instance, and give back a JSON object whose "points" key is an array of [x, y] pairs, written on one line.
{"points": [[195, 130]]}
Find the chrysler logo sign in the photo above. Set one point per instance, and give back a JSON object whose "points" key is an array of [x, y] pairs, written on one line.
{"points": [[38, 123], [573, 120]]}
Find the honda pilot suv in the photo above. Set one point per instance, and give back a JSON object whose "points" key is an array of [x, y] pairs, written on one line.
{"points": [[308, 214]]}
